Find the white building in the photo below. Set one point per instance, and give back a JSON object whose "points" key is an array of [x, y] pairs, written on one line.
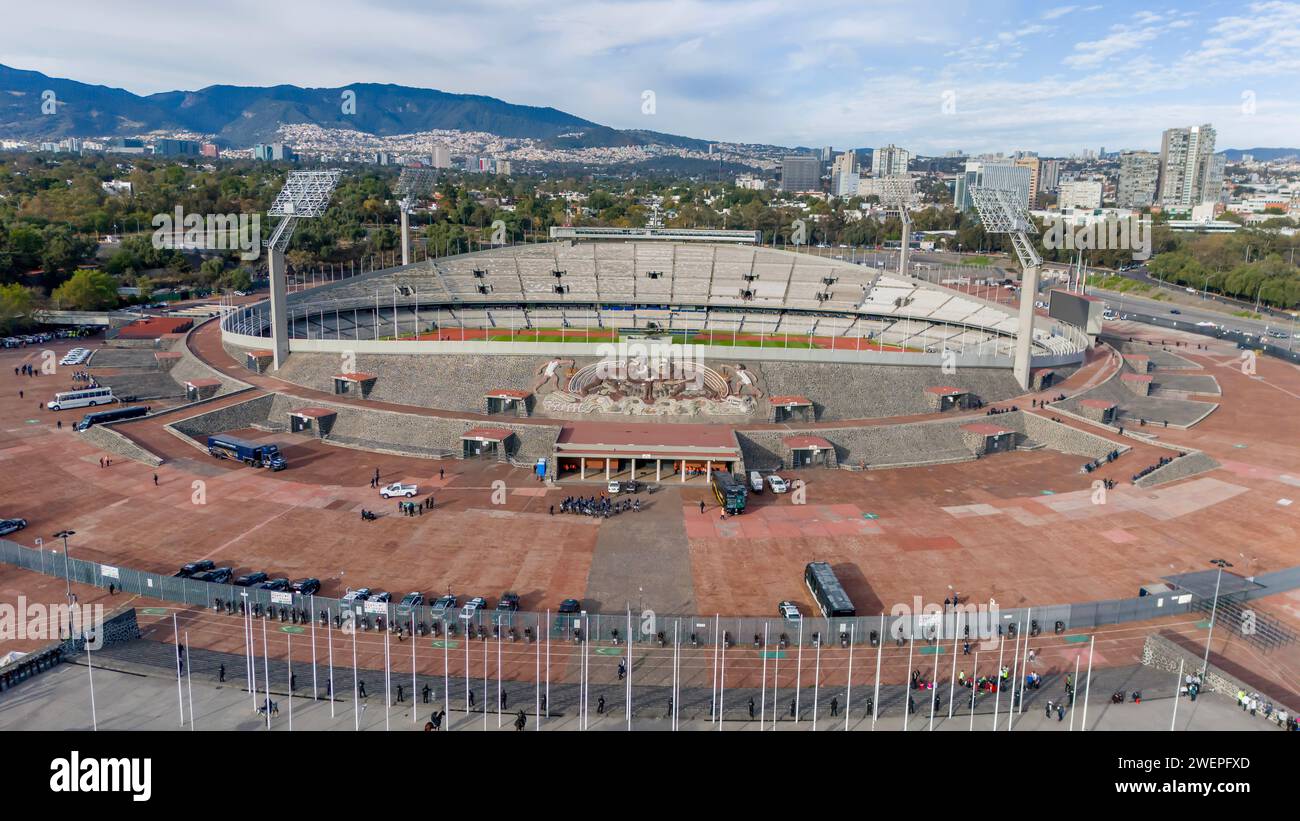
{"points": [[889, 161], [1082, 195], [1189, 172]]}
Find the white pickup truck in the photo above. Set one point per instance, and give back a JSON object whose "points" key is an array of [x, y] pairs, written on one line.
{"points": [[398, 489]]}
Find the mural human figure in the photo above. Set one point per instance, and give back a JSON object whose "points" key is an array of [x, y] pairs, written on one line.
{"points": [[741, 381], [551, 373]]}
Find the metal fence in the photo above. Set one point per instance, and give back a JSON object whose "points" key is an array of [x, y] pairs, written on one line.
{"points": [[643, 627]]}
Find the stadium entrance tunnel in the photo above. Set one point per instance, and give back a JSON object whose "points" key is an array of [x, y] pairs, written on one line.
{"points": [[808, 451], [354, 384], [486, 443], [308, 420], [785, 408], [982, 438]]}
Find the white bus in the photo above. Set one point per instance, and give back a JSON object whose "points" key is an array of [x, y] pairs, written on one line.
{"points": [[80, 399]]}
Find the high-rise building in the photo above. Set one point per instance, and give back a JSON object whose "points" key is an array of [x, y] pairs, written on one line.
{"points": [[1139, 174], [1187, 167], [801, 172], [1082, 195], [1049, 174], [210, 150], [844, 174], [985, 174], [1035, 169], [890, 161], [176, 148], [273, 152], [827, 153], [441, 156]]}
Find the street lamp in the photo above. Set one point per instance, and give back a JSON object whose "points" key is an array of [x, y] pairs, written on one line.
{"points": [[1214, 607], [64, 534]]}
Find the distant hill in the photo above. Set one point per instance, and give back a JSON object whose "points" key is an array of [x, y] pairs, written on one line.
{"points": [[1261, 154], [240, 116]]}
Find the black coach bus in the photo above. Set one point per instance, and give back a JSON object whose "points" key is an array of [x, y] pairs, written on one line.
{"points": [[730, 491], [115, 415], [826, 589]]}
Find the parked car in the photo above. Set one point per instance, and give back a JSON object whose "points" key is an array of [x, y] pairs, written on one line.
{"points": [[219, 575], [613, 488], [410, 601], [777, 484], [279, 585], [789, 611], [250, 579], [306, 587], [360, 594], [1174, 311], [382, 597], [756, 481], [189, 570], [398, 489], [444, 604], [8, 526], [570, 606], [509, 602], [470, 611]]}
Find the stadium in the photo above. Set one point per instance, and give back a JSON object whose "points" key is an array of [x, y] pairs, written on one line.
{"points": [[674, 442]]}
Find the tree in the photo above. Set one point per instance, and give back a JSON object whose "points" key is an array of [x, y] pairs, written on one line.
{"points": [[17, 304], [87, 290]]}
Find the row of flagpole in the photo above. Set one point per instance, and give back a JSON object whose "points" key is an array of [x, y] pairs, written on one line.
{"points": [[1017, 677]]}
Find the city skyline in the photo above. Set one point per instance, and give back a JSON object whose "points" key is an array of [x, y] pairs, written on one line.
{"points": [[1014, 76]]}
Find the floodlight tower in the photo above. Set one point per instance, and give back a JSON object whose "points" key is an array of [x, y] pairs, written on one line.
{"points": [[305, 195], [412, 184], [897, 195], [1002, 212]]}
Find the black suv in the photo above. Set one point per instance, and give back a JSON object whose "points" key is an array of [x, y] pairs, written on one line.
{"points": [[193, 568], [249, 579], [275, 584], [306, 587], [509, 601], [220, 575]]}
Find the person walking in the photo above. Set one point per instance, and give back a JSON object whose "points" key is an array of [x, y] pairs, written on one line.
{"points": [[471, 698], [361, 688], [155, 480], [425, 693], [521, 721], [504, 699], [701, 506], [1048, 711], [1060, 712], [401, 694], [835, 706], [221, 673], [600, 706], [751, 708]]}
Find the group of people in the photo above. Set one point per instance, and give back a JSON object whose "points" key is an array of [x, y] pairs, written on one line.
{"points": [[1164, 460], [1255, 704], [996, 411], [84, 376], [601, 505], [1089, 467]]}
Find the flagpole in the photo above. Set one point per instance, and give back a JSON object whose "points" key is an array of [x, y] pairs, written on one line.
{"points": [[880, 651]]}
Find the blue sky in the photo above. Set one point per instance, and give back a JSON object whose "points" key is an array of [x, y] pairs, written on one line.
{"points": [[931, 75]]}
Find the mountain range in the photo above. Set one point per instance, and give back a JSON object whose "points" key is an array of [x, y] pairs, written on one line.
{"points": [[240, 116]]}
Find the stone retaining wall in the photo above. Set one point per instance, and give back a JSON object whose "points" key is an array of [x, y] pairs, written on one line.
{"points": [[1182, 467], [1162, 654], [105, 438]]}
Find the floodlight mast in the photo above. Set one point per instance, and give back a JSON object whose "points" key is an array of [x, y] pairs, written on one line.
{"points": [[305, 195], [412, 184], [897, 195], [1001, 212]]}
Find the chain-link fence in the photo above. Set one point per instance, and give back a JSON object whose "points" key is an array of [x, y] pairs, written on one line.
{"points": [[937, 624]]}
